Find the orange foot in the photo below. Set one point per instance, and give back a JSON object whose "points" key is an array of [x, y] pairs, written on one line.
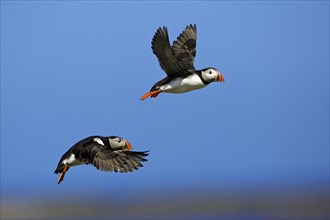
{"points": [[66, 168], [153, 94]]}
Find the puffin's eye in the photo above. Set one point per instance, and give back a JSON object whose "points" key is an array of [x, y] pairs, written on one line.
{"points": [[116, 139], [210, 72]]}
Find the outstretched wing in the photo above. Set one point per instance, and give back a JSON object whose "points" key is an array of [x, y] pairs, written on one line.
{"points": [[161, 48], [184, 48], [119, 161]]}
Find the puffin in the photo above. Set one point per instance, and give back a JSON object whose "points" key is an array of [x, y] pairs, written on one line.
{"points": [[177, 61], [111, 153]]}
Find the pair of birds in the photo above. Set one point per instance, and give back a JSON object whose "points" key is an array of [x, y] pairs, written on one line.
{"points": [[114, 153]]}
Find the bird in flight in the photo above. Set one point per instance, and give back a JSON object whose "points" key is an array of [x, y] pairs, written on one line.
{"points": [[178, 63], [110, 153]]}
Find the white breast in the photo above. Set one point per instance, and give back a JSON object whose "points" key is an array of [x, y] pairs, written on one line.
{"points": [[181, 85]]}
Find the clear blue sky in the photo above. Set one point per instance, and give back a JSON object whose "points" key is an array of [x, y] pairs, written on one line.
{"points": [[74, 69]]}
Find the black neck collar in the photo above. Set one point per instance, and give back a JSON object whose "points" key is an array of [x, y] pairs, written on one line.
{"points": [[199, 73]]}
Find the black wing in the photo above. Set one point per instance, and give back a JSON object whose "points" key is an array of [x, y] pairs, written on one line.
{"points": [[184, 48], [118, 161], [161, 48]]}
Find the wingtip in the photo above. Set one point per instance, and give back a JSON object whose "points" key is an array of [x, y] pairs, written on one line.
{"points": [[146, 152], [161, 29], [192, 26]]}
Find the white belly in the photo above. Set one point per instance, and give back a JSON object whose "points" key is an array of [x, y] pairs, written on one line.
{"points": [[181, 85]]}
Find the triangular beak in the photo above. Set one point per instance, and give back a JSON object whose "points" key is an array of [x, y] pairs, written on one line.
{"points": [[128, 145], [221, 78]]}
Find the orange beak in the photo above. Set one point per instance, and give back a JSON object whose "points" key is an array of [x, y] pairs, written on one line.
{"points": [[220, 78], [60, 179], [129, 146]]}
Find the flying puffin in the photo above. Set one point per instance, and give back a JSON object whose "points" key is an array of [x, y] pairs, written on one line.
{"points": [[178, 63], [105, 153]]}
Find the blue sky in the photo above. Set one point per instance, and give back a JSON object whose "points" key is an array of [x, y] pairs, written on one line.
{"points": [[74, 69]]}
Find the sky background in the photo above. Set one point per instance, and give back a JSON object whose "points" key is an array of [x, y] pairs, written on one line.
{"points": [[74, 69]]}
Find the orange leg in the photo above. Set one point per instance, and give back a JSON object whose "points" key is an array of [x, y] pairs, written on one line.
{"points": [[60, 179], [153, 94]]}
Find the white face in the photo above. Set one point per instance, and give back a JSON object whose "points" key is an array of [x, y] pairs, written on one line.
{"points": [[211, 75], [71, 160], [117, 143]]}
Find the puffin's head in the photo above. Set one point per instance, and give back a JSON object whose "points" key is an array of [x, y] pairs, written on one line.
{"points": [[212, 75], [118, 143]]}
